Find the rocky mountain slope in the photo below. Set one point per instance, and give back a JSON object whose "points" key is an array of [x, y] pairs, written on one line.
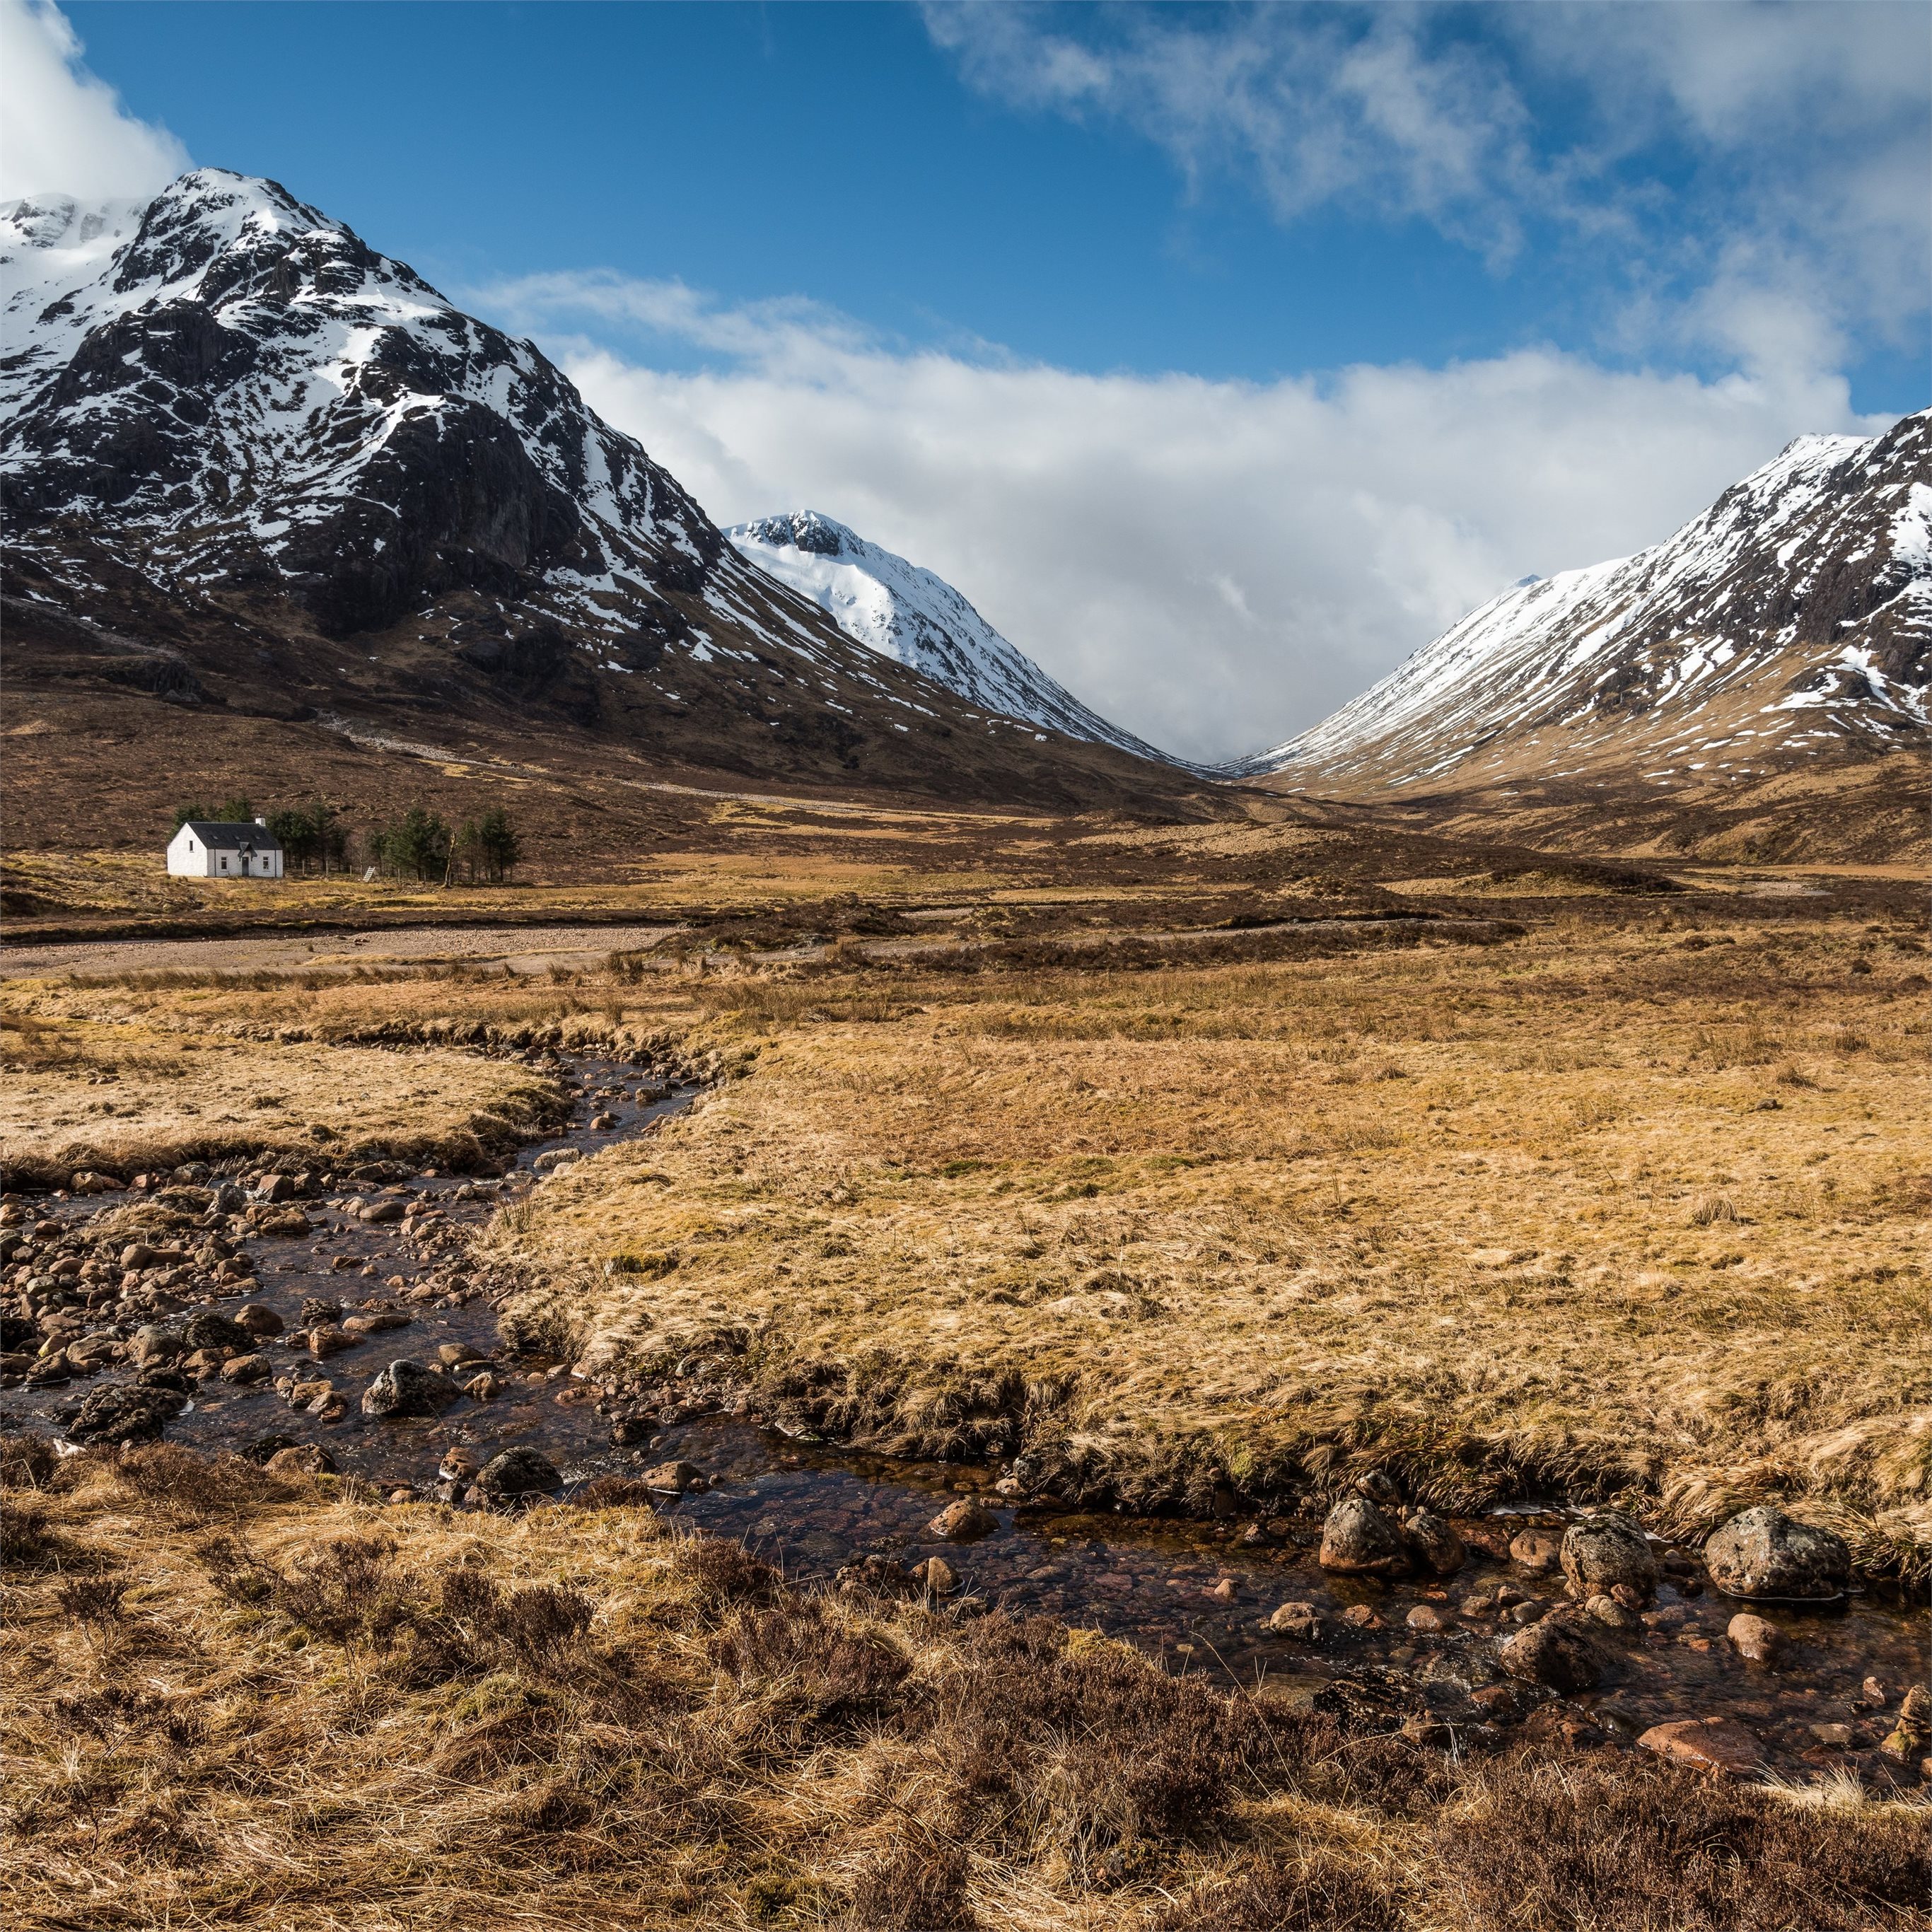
{"points": [[1789, 625], [915, 618], [253, 468]]}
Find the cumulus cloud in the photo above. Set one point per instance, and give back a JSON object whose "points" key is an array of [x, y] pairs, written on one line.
{"points": [[1215, 565], [62, 129]]}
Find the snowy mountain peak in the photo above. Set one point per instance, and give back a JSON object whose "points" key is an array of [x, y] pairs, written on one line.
{"points": [[917, 618], [1791, 619]]}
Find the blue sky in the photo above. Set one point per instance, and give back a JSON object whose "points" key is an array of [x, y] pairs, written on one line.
{"points": [[1222, 355], [839, 153]]}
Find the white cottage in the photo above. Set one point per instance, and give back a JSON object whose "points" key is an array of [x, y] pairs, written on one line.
{"points": [[204, 850]]}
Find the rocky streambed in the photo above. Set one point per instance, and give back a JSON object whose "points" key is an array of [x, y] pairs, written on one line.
{"points": [[333, 1321]]}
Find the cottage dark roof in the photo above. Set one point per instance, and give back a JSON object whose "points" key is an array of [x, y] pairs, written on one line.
{"points": [[216, 835]]}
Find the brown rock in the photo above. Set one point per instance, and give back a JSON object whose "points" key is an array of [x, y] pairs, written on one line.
{"points": [[1606, 1610], [305, 1459], [1360, 1539], [247, 1368], [1720, 1745], [1299, 1622], [676, 1478], [1556, 1650], [1751, 1636], [935, 1576], [963, 1521], [1435, 1542], [1426, 1618], [1603, 1551], [330, 1340], [1538, 1549], [1359, 1616], [258, 1319]]}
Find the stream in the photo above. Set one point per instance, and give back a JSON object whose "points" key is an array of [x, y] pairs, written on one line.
{"points": [[1196, 1594]]}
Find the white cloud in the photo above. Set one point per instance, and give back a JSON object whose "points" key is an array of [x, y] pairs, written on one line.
{"points": [[1214, 565], [63, 131], [1701, 162]]}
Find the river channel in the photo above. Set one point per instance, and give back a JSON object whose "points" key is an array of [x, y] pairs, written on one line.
{"points": [[1198, 1594]]}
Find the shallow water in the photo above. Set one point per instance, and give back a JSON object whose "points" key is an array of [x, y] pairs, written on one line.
{"points": [[1186, 1591]]}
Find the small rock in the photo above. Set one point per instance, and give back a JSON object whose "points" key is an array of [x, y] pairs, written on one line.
{"points": [[485, 1388], [1476, 1607], [1225, 1590], [1527, 1610], [459, 1465], [153, 1343], [1833, 1737], [247, 1368], [1254, 1536], [378, 1322], [329, 1340], [207, 1330], [408, 1388], [1378, 1487], [1913, 1731], [1604, 1609], [1435, 1542], [317, 1312], [1426, 1618], [1720, 1745], [1874, 1694], [935, 1576], [1605, 1550], [1300, 1621], [1753, 1638], [677, 1479], [627, 1431], [518, 1472], [1360, 1616], [305, 1458], [1556, 1650], [1538, 1549], [1763, 1552], [204, 1362], [258, 1319], [379, 1213], [453, 1355], [963, 1521], [1359, 1539]]}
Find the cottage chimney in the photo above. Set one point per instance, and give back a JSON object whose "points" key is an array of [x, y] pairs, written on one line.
{"points": [[261, 821]]}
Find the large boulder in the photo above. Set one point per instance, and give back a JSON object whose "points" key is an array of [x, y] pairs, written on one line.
{"points": [[1601, 1551], [1763, 1552], [518, 1472], [126, 1412], [1557, 1650], [1361, 1539], [408, 1388]]}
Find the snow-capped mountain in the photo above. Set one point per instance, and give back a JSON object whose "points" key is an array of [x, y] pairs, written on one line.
{"points": [[908, 614], [1791, 619], [229, 428]]}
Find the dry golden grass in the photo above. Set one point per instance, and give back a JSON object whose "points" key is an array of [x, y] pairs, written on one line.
{"points": [[123, 1091], [231, 1700], [1596, 1209]]}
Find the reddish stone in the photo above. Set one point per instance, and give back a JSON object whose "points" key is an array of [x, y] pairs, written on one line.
{"points": [[1719, 1745]]}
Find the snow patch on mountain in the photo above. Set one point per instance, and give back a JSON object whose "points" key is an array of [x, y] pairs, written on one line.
{"points": [[918, 619], [1806, 589]]}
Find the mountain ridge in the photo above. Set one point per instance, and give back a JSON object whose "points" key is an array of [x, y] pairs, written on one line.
{"points": [[913, 616], [1790, 620], [251, 465]]}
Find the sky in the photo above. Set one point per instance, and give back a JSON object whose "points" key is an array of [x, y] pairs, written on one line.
{"points": [[1222, 356]]}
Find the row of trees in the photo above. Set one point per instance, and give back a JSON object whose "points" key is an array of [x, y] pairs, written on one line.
{"points": [[419, 845]]}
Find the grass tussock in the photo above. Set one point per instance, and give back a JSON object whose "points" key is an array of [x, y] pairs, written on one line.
{"points": [[256, 1703]]}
